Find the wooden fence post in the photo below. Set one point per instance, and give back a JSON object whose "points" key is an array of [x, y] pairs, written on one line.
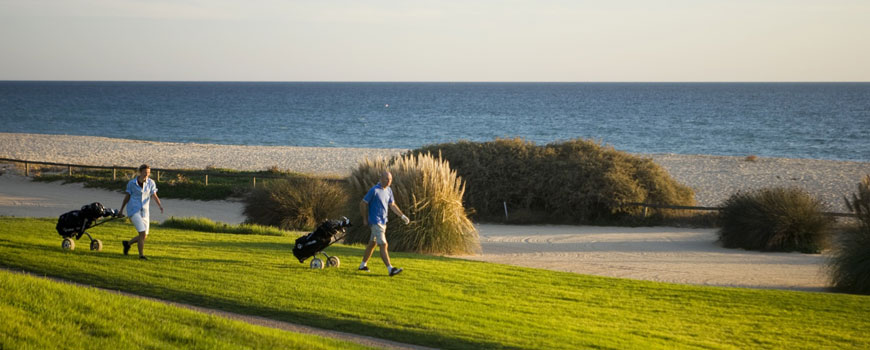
{"points": [[158, 175], [26, 169], [206, 179], [114, 174], [69, 168], [255, 182]]}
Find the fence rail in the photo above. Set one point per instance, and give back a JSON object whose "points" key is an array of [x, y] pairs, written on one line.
{"points": [[115, 168], [682, 207]]}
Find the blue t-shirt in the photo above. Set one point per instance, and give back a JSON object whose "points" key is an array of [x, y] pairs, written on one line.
{"points": [[140, 197], [379, 200]]}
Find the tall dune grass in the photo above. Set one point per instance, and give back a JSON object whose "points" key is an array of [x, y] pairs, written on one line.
{"points": [[849, 266], [429, 193]]}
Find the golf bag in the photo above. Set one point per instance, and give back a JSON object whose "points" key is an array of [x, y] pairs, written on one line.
{"points": [[74, 223], [322, 237]]}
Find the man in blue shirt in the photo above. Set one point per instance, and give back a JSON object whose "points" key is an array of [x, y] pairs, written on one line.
{"points": [[374, 212], [140, 190]]}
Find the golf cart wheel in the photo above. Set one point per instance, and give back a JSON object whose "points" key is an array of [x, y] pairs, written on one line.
{"points": [[68, 244], [316, 263], [333, 261], [96, 245]]}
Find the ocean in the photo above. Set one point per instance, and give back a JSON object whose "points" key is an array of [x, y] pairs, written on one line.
{"points": [[793, 120]]}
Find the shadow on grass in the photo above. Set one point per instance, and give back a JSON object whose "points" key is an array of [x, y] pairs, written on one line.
{"points": [[318, 320]]}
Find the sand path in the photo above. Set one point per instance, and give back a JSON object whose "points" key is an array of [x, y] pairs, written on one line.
{"points": [[663, 254]]}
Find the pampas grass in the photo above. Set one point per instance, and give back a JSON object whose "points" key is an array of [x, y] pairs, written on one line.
{"points": [[429, 193], [849, 266]]}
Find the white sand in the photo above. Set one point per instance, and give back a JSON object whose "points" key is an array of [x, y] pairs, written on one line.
{"points": [[664, 254], [103, 151]]}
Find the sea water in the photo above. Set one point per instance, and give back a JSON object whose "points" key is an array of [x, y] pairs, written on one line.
{"points": [[795, 120]]}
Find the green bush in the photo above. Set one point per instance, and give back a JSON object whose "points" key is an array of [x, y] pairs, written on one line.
{"points": [[849, 266], [207, 225], [295, 204], [576, 181], [429, 193], [774, 219]]}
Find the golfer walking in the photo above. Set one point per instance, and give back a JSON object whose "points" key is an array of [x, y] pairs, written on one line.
{"points": [[140, 190], [373, 208]]}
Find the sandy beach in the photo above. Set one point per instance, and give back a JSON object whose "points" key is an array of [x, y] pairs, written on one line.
{"points": [[665, 254]]}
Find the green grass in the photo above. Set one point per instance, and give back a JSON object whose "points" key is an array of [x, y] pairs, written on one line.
{"points": [[207, 225], [441, 302], [43, 314], [184, 184]]}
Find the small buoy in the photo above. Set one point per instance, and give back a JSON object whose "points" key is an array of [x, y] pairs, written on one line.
{"points": [[387, 105]]}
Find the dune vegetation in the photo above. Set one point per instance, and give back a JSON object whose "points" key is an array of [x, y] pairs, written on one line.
{"points": [[575, 181]]}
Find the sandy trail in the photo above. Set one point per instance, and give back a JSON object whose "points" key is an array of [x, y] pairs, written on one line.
{"points": [[663, 254]]}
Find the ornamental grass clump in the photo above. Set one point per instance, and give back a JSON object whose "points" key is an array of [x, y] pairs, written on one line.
{"points": [[295, 204], [575, 181], [429, 193], [849, 266], [774, 219]]}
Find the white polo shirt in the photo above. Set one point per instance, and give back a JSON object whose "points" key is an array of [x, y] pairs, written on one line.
{"points": [[140, 197]]}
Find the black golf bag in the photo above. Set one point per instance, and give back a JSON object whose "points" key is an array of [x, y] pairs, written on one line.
{"points": [[75, 223], [322, 237]]}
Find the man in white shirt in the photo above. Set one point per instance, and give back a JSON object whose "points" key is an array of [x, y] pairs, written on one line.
{"points": [[140, 190]]}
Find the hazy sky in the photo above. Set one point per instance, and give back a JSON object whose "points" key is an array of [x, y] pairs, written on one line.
{"points": [[323, 40]]}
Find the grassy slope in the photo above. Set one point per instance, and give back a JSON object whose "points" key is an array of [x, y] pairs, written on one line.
{"points": [[43, 314], [441, 302]]}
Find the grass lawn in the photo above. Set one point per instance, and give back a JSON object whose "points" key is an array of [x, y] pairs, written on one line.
{"points": [[441, 302], [43, 314]]}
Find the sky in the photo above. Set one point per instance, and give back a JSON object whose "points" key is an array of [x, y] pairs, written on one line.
{"points": [[343, 40]]}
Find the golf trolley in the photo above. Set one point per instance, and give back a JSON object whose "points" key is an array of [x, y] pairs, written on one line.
{"points": [[315, 242], [76, 222]]}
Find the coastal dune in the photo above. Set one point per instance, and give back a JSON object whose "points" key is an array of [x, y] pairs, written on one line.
{"points": [[714, 178]]}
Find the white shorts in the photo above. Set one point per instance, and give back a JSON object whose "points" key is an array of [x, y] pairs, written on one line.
{"points": [[141, 223], [379, 234]]}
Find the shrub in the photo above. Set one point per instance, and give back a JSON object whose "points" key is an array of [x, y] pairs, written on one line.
{"points": [[849, 266], [207, 225], [297, 203], [774, 219], [429, 193], [575, 181]]}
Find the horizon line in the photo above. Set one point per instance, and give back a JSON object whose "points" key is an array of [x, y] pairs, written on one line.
{"points": [[445, 81]]}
